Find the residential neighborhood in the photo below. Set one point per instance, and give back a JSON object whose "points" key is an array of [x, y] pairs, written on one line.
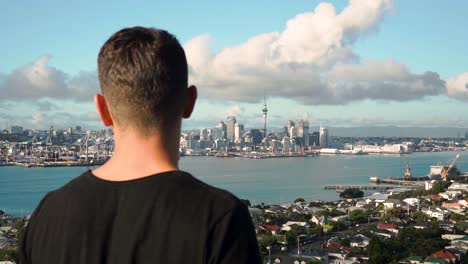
{"points": [[399, 226]]}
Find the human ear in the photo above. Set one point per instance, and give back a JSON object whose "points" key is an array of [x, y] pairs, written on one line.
{"points": [[103, 109], [190, 101]]}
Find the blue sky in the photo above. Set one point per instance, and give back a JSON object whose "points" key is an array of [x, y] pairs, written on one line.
{"points": [[405, 40]]}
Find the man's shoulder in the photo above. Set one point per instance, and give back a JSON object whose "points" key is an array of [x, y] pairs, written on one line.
{"points": [[210, 194]]}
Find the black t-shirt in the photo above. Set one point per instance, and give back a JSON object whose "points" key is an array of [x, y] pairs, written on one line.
{"points": [[168, 217]]}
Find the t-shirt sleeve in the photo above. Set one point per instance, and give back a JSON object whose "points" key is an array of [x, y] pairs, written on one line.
{"points": [[24, 247], [233, 239]]}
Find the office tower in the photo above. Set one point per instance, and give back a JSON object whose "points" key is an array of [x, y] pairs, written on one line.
{"points": [[302, 130], [290, 124], [238, 131], [286, 144], [230, 126], [256, 136], [314, 139], [324, 137], [292, 132], [203, 134]]}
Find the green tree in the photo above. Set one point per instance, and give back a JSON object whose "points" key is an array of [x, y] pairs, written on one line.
{"points": [[8, 254], [437, 187], [420, 217], [299, 200], [376, 251], [351, 193]]}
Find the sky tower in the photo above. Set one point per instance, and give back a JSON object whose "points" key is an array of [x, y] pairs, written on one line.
{"points": [[265, 111]]}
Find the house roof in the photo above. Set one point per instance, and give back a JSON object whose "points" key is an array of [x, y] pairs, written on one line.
{"points": [[271, 227], [435, 260], [387, 226], [444, 255]]}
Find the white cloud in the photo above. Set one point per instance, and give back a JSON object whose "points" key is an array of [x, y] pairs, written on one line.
{"points": [[311, 62], [457, 86], [40, 80]]}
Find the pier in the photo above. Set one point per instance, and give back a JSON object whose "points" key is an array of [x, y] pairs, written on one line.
{"points": [[362, 187]]}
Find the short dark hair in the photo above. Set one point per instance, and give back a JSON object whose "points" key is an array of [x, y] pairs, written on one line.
{"points": [[143, 76]]}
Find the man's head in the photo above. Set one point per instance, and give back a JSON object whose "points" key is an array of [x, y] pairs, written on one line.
{"points": [[143, 77]]}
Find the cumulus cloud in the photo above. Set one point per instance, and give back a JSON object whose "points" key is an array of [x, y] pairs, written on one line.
{"points": [[457, 86], [311, 61], [40, 80]]}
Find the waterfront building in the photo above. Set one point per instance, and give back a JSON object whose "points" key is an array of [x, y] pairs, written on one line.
{"points": [[292, 132], [290, 124], [256, 136], [238, 131], [203, 134], [230, 126], [286, 144], [217, 133], [323, 137], [222, 126], [302, 131]]}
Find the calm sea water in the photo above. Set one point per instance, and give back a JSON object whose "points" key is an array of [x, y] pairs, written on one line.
{"points": [[269, 180]]}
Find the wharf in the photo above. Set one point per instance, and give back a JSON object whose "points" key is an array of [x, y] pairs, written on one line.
{"points": [[362, 187], [414, 181]]}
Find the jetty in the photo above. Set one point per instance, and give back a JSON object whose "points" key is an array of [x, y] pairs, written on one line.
{"points": [[362, 187]]}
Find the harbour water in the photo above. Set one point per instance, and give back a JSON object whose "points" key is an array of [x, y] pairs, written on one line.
{"points": [[266, 180]]}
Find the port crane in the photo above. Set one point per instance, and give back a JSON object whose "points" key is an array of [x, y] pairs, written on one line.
{"points": [[408, 174], [446, 169]]}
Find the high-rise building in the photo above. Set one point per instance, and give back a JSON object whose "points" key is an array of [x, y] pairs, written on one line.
{"points": [[324, 137], [238, 131], [292, 132], [466, 135], [314, 139], [290, 124], [256, 136], [230, 126], [302, 130], [203, 134], [222, 127]]}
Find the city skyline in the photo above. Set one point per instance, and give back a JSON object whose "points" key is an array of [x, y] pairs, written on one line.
{"points": [[311, 59]]}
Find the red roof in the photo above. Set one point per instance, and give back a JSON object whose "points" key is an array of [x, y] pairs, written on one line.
{"points": [[387, 226], [433, 196], [444, 255], [271, 227], [342, 248]]}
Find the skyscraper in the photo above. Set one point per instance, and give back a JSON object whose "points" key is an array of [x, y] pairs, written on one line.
{"points": [[302, 131], [238, 131], [324, 137], [290, 124], [230, 126]]}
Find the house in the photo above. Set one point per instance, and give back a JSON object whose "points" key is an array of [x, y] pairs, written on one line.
{"points": [[383, 233], [392, 203], [270, 228], [438, 213], [288, 225], [360, 241], [319, 220], [413, 260], [433, 260], [412, 201], [389, 227], [458, 186], [340, 218], [446, 255]]}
